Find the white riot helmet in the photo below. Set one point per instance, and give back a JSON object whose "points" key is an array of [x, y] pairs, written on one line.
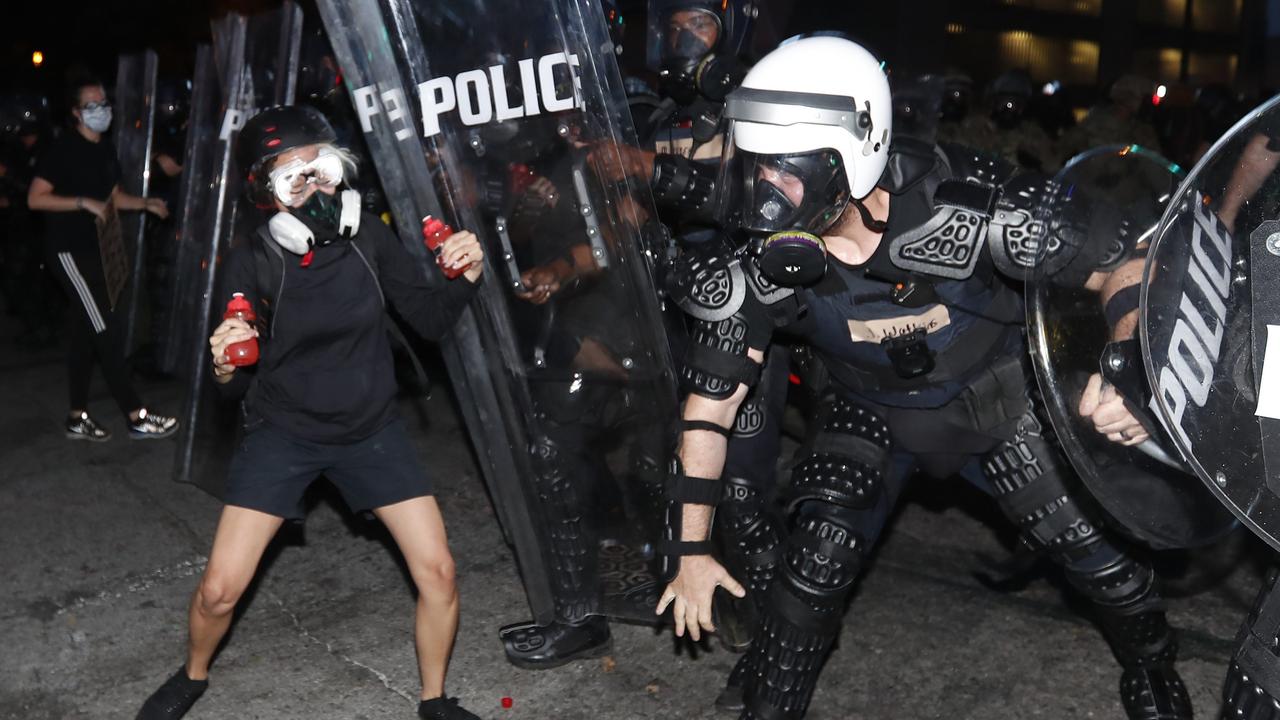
{"points": [[810, 129]]}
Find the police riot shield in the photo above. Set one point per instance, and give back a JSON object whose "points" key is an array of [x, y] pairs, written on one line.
{"points": [[1085, 350], [255, 61], [1210, 320], [485, 111], [191, 211], [135, 115]]}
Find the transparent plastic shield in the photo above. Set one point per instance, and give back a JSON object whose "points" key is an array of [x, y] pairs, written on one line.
{"points": [[134, 107], [1114, 196], [245, 76], [1209, 311], [191, 211], [486, 112]]}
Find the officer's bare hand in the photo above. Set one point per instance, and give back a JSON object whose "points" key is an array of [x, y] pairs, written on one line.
{"points": [[690, 594], [231, 331], [157, 207], [540, 284], [463, 249], [1106, 409], [615, 161]]}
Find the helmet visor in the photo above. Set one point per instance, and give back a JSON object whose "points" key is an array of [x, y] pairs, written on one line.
{"points": [[768, 193]]}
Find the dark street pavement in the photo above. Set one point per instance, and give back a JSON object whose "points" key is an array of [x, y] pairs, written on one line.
{"points": [[100, 551]]}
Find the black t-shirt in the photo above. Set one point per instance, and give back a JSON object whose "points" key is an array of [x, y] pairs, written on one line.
{"points": [[77, 168], [325, 372]]}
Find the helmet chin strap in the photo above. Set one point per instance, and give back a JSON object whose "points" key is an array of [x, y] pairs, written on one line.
{"points": [[872, 224]]}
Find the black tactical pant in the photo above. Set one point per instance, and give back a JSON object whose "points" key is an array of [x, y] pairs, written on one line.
{"points": [[847, 483]]}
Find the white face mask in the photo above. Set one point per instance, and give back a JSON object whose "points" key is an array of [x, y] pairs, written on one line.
{"points": [[96, 118]]}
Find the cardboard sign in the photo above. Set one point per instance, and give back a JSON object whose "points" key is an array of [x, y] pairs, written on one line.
{"points": [[115, 257]]}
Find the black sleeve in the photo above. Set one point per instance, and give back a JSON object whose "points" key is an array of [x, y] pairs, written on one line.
{"points": [[239, 276], [430, 309], [52, 165], [115, 171]]}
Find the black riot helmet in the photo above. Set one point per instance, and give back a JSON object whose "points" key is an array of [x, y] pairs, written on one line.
{"points": [[173, 105], [22, 114], [1010, 97], [957, 95], [694, 45], [272, 132]]}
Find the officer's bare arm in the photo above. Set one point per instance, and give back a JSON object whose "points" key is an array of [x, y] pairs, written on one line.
{"points": [[1256, 164], [702, 452]]}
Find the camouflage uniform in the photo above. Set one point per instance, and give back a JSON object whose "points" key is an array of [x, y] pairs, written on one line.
{"points": [[1027, 146], [1116, 123], [1105, 126]]}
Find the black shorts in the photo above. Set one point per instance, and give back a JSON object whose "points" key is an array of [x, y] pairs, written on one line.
{"points": [[271, 471]]}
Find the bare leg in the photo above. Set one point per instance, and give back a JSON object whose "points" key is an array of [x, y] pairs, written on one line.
{"points": [[418, 529], [242, 537]]}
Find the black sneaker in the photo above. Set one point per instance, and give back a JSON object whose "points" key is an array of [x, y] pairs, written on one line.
{"points": [[151, 426], [84, 428], [444, 708], [174, 698]]}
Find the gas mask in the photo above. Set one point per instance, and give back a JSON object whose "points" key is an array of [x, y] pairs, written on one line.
{"points": [[689, 38], [323, 217], [96, 116], [788, 201]]}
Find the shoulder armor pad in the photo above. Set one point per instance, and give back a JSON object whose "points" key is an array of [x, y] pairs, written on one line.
{"points": [[910, 161], [948, 243], [709, 288], [1015, 233], [1073, 238], [764, 289]]}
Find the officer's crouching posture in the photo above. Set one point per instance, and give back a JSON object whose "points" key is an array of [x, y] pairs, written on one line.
{"points": [[892, 266]]}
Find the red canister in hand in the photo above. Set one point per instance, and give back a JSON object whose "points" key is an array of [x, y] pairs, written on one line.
{"points": [[244, 352], [434, 233]]}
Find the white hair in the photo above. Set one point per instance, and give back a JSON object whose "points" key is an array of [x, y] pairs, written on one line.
{"points": [[350, 163]]}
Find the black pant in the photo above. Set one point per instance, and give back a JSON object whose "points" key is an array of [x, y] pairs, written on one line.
{"points": [[94, 332]]}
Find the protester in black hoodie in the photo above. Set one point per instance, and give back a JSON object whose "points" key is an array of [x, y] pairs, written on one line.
{"points": [[321, 397]]}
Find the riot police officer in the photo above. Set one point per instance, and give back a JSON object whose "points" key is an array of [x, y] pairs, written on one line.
{"points": [[844, 246], [1007, 130]]}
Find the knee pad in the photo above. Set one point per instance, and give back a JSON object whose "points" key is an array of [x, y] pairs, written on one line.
{"points": [[848, 459], [823, 558], [1026, 474], [1246, 696]]}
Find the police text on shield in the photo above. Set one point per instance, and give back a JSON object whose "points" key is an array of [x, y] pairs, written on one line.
{"points": [[478, 96]]}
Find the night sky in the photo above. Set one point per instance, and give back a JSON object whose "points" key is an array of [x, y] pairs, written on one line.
{"points": [[94, 33]]}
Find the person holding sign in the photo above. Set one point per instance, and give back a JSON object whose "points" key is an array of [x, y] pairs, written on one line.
{"points": [[77, 183]]}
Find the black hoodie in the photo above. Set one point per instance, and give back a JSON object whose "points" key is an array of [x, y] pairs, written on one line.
{"points": [[325, 374]]}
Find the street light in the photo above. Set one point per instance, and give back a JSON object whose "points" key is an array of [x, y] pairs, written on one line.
{"points": [[37, 58]]}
